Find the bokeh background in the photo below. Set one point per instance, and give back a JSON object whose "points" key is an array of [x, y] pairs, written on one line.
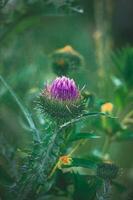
{"points": [[30, 31]]}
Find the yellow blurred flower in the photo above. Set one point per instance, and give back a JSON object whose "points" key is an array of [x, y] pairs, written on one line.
{"points": [[66, 59], [107, 107], [67, 49]]}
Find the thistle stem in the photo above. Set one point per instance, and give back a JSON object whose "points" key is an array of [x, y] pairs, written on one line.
{"points": [[53, 170]]}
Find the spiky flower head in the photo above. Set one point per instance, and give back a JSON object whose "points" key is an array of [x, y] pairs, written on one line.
{"points": [[61, 99], [65, 60]]}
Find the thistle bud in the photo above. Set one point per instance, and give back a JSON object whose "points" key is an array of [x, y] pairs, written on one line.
{"points": [[61, 100], [107, 171], [66, 59]]}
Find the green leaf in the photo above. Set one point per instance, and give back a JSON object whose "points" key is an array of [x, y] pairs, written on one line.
{"points": [[79, 136], [85, 187], [124, 136], [24, 110], [80, 162]]}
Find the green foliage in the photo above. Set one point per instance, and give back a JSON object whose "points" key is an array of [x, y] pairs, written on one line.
{"points": [[125, 135], [5, 178], [23, 109], [124, 62], [107, 170], [80, 162], [85, 188], [80, 136]]}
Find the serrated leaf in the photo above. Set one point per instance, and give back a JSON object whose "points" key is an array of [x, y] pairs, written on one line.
{"points": [[79, 136]]}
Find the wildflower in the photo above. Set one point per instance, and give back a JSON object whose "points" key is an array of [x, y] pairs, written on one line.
{"points": [[63, 89], [64, 160], [67, 49], [107, 107], [61, 100], [65, 59]]}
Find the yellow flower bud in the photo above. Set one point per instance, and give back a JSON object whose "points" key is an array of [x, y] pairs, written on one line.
{"points": [[107, 107]]}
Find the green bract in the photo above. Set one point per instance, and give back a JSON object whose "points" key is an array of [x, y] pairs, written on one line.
{"points": [[61, 111]]}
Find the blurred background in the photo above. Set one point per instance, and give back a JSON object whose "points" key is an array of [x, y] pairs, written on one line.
{"points": [[30, 32]]}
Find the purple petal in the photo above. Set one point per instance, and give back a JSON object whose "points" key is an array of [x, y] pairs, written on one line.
{"points": [[63, 88]]}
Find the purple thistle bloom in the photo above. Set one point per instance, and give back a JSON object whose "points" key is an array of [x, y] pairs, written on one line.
{"points": [[61, 100], [63, 88]]}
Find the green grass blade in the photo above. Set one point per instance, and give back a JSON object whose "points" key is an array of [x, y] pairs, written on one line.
{"points": [[23, 109]]}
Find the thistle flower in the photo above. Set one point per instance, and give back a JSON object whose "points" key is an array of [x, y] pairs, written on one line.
{"points": [[61, 100], [65, 59], [64, 89]]}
